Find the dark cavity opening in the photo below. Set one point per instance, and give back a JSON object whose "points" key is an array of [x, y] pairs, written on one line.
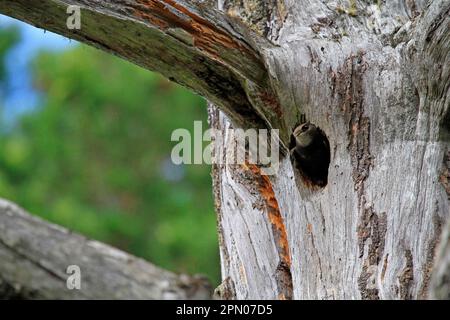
{"points": [[310, 154], [446, 126]]}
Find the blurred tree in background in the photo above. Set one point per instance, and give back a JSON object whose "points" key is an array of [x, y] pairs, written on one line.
{"points": [[8, 38], [95, 157]]}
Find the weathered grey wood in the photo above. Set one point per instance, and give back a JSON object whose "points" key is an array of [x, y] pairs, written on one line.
{"points": [[253, 241], [376, 80], [35, 255], [374, 76], [440, 284]]}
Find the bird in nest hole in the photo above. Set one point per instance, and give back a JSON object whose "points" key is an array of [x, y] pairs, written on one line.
{"points": [[310, 153]]}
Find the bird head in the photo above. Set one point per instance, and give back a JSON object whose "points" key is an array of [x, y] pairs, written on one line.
{"points": [[304, 134]]}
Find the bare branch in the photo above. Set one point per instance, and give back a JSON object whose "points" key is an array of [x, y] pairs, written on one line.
{"points": [[186, 41], [44, 251]]}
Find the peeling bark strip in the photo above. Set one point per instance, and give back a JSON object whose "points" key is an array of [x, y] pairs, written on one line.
{"points": [[406, 277], [347, 84], [388, 99], [365, 284], [187, 42], [268, 195], [431, 255], [226, 290], [371, 227], [438, 22], [283, 272], [264, 17]]}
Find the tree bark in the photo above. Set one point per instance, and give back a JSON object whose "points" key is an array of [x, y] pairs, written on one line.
{"points": [[440, 288], [374, 76], [379, 88], [35, 257]]}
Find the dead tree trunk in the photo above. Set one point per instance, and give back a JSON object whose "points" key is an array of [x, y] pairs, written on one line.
{"points": [[373, 75]]}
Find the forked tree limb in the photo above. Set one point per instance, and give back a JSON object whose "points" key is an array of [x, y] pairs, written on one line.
{"points": [[186, 41]]}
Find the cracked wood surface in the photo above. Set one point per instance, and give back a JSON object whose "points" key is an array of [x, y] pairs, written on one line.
{"points": [[379, 88], [441, 281], [34, 257], [253, 239]]}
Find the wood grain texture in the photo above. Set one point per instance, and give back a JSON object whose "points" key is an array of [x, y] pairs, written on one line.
{"points": [[186, 41], [379, 88], [34, 256], [440, 285]]}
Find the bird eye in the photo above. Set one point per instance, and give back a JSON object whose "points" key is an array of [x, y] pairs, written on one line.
{"points": [[305, 127]]}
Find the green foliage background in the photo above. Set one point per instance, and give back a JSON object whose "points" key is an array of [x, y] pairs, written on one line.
{"points": [[91, 158]]}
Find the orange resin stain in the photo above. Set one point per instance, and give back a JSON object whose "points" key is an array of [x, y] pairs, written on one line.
{"points": [[166, 14], [274, 214]]}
